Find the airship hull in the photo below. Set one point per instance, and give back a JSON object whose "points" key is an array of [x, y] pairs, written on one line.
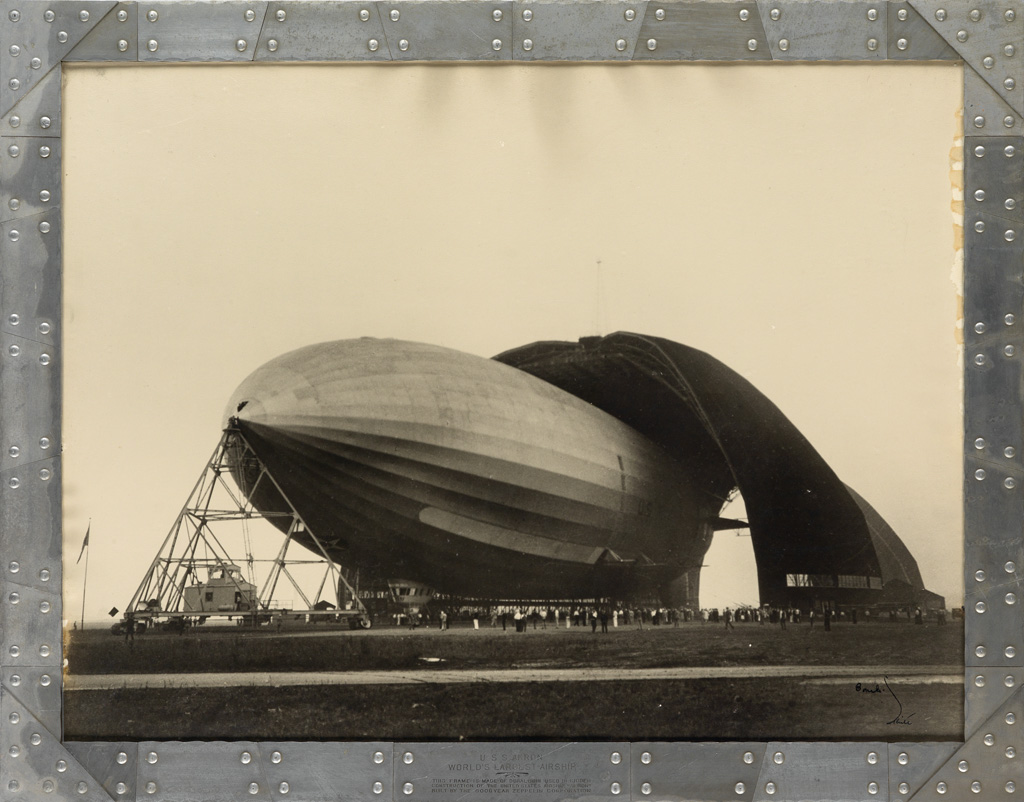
{"points": [[467, 475]]}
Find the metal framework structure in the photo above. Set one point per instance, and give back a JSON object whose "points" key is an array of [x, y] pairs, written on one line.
{"points": [[193, 543], [37, 37]]}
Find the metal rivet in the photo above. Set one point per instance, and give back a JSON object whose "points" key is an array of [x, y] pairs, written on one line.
{"points": [[740, 788], [1009, 84], [980, 607], [940, 787], [407, 757], [976, 787], [14, 319], [14, 598], [1008, 121], [121, 788], [744, 15], [980, 650], [44, 227], [15, 122], [44, 651], [403, 44], [62, 36], [14, 204], [1010, 652], [254, 788], [616, 788], [752, 44], [152, 15], [963, 766], [979, 151], [1009, 682], [14, 150], [407, 788], [652, 44], [629, 14], [152, 757], [14, 15], [872, 14], [122, 757], [778, 757], [378, 757], [872, 788], [496, 44], [122, 16], [378, 787], [1009, 203], [272, 45], [961, 36], [1010, 787], [901, 44], [250, 15], [616, 758], [1009, 483], [14, 83], [748, 757], [35, 63], [975, 14], [620, 44], [241, 45], [15, 50], [62, 766], [83, 15], [769, 788], [979, 575], [988, 62], [902, 15], [281, 16], [373, 44], [15, 566], [44, 442], [152, 45], [13, 785], [645, 788], [497, 15], [1009, 235], [48, 786], [527, 44], [44, 575], [1009, 15], [989, 739], [940, 14], [872, 757], [979, 121], [979, 681], [903, 788], [783, 44], [14, 451], [122, 45], [14, 482], [150, 788], [284, 788], [14, 235], [14, 718], [246, 757], [15, 651], [44, 359], [16, 681], [14, 350], [44, 151], [275, 757], [1009, 51], [395, 14], [364, 15], [979, 195], [659, 14], [645, 757], [1010, 752], [44, 680], [979, 327]]}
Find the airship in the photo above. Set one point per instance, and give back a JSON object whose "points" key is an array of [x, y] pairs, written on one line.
{"points": [[595, 469]]}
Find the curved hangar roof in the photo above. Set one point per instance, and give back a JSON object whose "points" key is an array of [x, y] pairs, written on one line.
{"points": [[805, 524]]}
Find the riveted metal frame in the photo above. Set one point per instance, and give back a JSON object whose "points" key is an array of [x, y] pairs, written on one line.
{"points": [[36, 37]]}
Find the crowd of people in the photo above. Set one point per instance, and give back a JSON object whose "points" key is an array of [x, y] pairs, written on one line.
{"points": [[522, 618]]}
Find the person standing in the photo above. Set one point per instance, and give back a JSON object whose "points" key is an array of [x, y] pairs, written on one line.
{"points": [[728, 619]]}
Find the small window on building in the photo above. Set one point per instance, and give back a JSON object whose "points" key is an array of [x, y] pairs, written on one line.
{"points": [[875, 582], [209, 595]]}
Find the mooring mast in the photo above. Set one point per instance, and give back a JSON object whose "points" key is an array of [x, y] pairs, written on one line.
{"points": [[193, 544]]}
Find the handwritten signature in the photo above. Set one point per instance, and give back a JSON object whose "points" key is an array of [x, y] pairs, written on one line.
{"points": [[900, 718]]}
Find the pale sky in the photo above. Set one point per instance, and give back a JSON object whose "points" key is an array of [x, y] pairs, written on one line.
{"points": [[795, 221]]}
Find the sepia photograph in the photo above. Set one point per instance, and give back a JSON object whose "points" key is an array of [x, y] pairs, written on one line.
{"points": [[434, 402]]}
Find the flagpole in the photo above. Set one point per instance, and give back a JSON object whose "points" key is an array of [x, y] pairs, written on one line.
{"points": [[85, 581]]}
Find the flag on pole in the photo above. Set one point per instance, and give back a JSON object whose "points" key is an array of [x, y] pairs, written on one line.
{"points": [[84, 543]]}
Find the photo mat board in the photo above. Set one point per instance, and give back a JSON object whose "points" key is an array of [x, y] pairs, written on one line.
{"points": [[32, 291]]}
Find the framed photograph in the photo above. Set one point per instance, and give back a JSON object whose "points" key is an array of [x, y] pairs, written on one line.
{"points": [[463, 430]]}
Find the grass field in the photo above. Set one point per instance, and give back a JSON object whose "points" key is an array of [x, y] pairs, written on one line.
{"points": [[97, 652], [702, 709]]}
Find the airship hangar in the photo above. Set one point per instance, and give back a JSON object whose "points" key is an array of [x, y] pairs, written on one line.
{"points": [[595, 469]]}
